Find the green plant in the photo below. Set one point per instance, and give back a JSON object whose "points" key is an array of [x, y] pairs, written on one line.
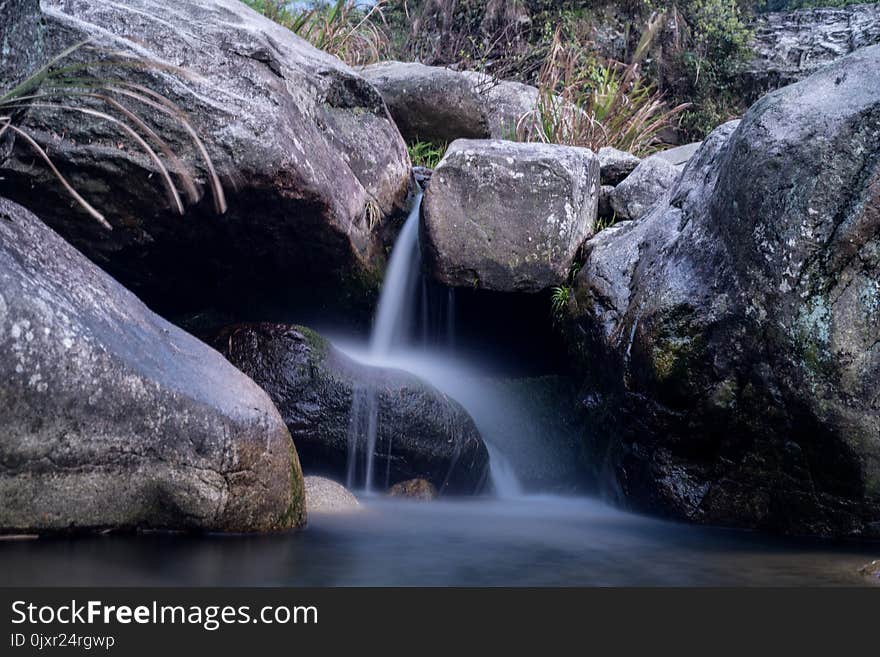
{"points": [[586, 102], [426, 153], [68, 86], [353, 30], [559, 299]]}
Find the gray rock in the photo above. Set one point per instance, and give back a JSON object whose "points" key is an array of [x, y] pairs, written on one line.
{"points": [[733, 333], [789, 46], [615, 165], [323, 395], [433, 103], [680, 154], [643, 188], [326, 496], [311, 160], [508, 216], [114, 418], [605, 210], [21, 41]]}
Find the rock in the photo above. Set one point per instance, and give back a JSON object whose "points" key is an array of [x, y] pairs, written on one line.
{"points": [[615, 165], [21, 53], [604, 210], [732, 334], [114, 418], [414, 489], [326, 496], [508, 216], [789, 46], [422, 176], [323, 395], [305, 206], [680, 154], [871, 572], [21, 41], [437, 104], [644, 187]]}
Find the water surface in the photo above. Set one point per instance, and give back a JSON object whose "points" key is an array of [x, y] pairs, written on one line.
{"points": [[531, 541]]}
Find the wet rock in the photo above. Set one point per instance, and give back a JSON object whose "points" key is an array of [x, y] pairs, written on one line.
{"points": [[644, 187], [115, 419], [325, 397], [789, 46], [615, 165], [734, 330], [326, 496], [414, 489], [310, 159], [508, 216], [437, 104]]}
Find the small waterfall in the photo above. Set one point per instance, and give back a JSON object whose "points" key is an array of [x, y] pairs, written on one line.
{"points": [[399, 298], [404, 300]]}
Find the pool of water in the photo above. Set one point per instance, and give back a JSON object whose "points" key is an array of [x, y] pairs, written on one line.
{"points": [[530, 541]]}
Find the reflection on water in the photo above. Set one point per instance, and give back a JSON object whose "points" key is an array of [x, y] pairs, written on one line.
{"points": [[532, 541]]}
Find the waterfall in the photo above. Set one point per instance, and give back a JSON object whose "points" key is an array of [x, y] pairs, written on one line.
{"points": [[404, 299]]}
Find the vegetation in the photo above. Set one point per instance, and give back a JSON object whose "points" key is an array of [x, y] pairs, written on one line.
{"points": [[353, 30], [585, 102], [426, 154], [71, 87]]}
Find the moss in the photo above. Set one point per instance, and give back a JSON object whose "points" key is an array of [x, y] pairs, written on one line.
{"points": [[295, 516]]}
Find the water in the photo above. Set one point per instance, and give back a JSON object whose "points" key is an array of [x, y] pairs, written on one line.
{"points": [[534, 541], [394, 343]]}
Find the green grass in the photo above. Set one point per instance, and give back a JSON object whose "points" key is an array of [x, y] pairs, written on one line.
{"points": [[426, 154]]}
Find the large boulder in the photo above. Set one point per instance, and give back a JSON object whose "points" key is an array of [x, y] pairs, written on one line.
{"points": [[329, 401], [733, 335], [310, 159], [508, 216], [788, 46], [114, 418], [437, 104], [644, 187], [21, 41]]}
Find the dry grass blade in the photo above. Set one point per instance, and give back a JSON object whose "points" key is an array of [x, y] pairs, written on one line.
{"points": [[79, 199], [159, 102], [170, 188]]}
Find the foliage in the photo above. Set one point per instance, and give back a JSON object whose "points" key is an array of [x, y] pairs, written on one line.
{"points": [[559, 301], [587, 102], [701, 66], [426, 154], [72, 87], [353, 30]]}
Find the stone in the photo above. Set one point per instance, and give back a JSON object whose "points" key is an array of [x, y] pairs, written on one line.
{"points": [[790, 45], [732, 334], [310, 160], [414, 489], [508, 216], [615, 165], [326, 496], [326, 397], [679, 155], [643, 188], [438, 104], [115, 419]]}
